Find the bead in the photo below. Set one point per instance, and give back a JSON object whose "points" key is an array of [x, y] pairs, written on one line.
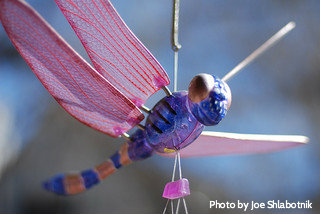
{"points": [[73, 184], [90, 178], [116, 160], [176, 189], [105, 169], [55, 184]]}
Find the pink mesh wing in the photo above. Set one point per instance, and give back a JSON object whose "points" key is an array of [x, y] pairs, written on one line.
{"points": [[77, 87], [219, 143], [114, 50]]}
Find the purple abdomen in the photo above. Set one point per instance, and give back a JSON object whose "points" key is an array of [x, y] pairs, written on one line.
{"points": [[171, 125]]}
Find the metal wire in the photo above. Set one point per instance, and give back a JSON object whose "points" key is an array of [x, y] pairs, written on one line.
{"points": [[263, 48], [175, 71], [175, 41]]}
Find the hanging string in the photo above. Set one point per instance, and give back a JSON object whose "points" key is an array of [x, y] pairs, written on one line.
{"points": [[174, 41], [172, 179], [180, 175], [176, 159], [175, 80], [175, 47]]}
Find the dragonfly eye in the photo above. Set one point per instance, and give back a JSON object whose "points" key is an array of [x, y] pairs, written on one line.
{"points": [[209, 99], [200, 87]]}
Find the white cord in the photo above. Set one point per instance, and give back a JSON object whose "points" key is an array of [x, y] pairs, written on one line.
{"points": [[174, 168], [180, 173], [175, 69], [177, 157], [178, 204], [165, 208], [172, 207], [173, 175], [185, 205]]}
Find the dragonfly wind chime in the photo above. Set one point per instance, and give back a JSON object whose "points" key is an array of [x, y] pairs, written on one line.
{"points": [[110, 97]]}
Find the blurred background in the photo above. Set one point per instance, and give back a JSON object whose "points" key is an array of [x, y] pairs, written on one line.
{"points": [[277, 94]]}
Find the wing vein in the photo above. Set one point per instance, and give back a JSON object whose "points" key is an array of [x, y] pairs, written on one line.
{"points": [[131, 35], [73, 98], [108, 61], [81, 90], [105, 18], [118, 51]]}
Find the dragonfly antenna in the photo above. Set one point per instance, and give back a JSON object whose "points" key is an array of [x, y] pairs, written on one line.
{"points": [[174, 41], [265, 46]]}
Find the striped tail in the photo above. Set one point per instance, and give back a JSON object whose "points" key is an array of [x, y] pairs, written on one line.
{"points": [[69, 184]]}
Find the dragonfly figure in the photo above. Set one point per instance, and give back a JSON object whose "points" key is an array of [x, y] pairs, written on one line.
{"points": [[110, 97]]}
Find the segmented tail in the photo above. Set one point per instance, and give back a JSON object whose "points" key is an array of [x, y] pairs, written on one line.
{"points": [[69, 184]]}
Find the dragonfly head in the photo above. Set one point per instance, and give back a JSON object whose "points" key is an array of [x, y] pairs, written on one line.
{"points": [[209, 99]]}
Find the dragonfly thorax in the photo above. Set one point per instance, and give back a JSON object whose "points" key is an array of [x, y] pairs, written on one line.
{"points": [[177, 120], [171, 126]]}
